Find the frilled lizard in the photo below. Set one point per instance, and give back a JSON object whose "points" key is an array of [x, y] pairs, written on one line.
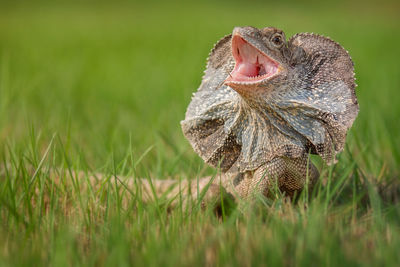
{"points": [[265, 104]]}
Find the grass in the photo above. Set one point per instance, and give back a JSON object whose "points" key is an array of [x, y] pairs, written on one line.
{"points": [[102, 88]]}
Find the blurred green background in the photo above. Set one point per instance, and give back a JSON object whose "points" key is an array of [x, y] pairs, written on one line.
{"points": [[115, 77], [107, 72]]}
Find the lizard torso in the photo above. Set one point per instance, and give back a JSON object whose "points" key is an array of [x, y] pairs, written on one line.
{"points": [[265, 104]]}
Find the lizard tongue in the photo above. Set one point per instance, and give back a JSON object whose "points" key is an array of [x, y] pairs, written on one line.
{"points": [[247, 70], [251, 64]]}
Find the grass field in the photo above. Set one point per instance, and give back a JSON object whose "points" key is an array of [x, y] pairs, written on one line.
{"points": [[102, 87]]}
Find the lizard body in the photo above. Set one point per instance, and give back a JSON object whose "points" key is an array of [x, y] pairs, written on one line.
{"points": [[265, 103]]}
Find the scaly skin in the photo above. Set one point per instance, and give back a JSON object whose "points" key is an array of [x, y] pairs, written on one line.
{"points": [[260, 130], [290, 175]]}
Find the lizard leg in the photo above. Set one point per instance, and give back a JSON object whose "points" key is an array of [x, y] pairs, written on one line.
{"points": [[289, 174], [247, 184], [300, 172]]}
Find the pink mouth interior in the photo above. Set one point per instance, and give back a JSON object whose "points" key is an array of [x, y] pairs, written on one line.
{"points": [[251, 64]]}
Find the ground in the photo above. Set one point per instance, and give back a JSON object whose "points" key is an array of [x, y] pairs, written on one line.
{"points": [[102, 87]]}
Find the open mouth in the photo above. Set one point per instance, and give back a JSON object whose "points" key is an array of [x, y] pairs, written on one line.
{"points": [[252, 65]]}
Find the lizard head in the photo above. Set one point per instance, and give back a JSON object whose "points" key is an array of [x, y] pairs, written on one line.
{"points": [[260, 57], [263, 97]]}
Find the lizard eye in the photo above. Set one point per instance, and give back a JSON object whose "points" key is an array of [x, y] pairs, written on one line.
{"points": [[277, 40]]}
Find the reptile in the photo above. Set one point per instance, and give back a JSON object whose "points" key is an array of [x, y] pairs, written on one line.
{"points": [[264, 105]]}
